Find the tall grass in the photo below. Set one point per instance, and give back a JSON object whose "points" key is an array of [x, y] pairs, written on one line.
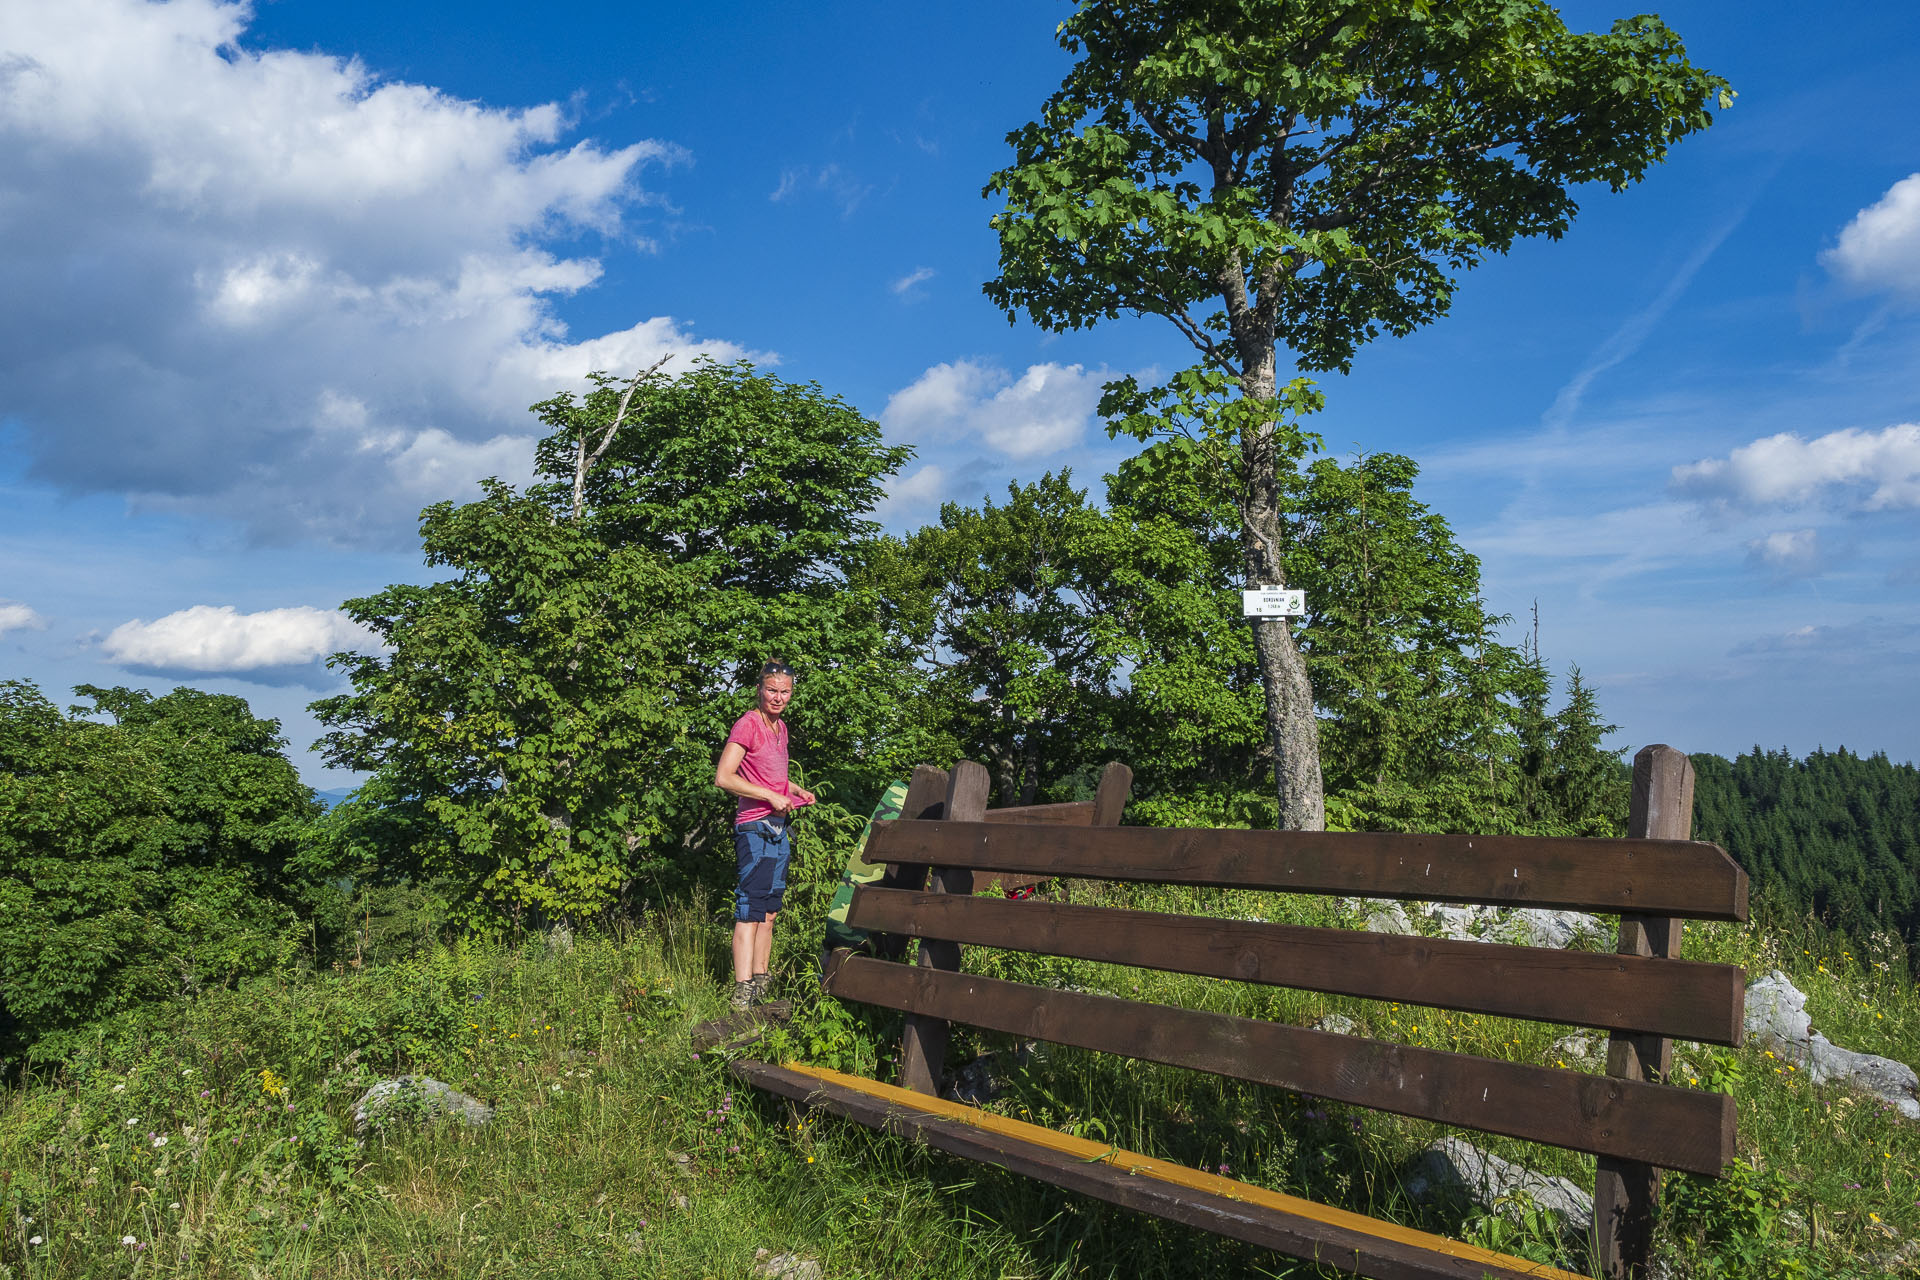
{"points": [[616, 1151]]}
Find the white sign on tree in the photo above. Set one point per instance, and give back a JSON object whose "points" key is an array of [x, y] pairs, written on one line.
{"points": [[1272, 602]]}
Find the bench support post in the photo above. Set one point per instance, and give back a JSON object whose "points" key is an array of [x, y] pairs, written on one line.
{"points": [[923, 1047], [1625, 1191]]}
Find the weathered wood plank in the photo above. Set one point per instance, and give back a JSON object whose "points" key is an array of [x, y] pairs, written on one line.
{"points": [[926, 800], [1614, 992], [923, 1045], [1074, 813], [1287, 1224], [1626, 1192], [1675, 1128], [1649, 877], [1110, 801]]}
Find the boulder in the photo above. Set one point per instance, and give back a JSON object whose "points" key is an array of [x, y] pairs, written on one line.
{"points": [[1777, 1017], [416, 1098], [1388, 917], [1536, 927], [1453, 1166], [1338, 1023], [784, 1266]]}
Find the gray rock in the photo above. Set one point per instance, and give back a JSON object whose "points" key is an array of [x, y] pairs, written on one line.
{"points": [[1338, 1023], [1536, 927], [1776, 1016], [416, 1098], [1388, 917], [784, 1266], [1464, 923], [1581, 1047], [1455, 1166]]}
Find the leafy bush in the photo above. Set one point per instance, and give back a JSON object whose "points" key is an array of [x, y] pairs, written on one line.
{"points": [[140, 859]]}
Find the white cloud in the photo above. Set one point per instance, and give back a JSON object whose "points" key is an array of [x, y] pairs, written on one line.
{"points": [[907, 283], [1880, 248], [210, 640], [1045, 410], [1868, 470], [208, 245], [19, 617], [1794, 553], [830, 180]]}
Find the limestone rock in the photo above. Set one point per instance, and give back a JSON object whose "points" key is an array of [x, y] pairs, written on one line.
{"points": [[1537, 927], [1388, 917], [416, 1098], [1580, 1047], [1338, 1023], [1455, 1166], [1777, 1017], [784, 1266]]}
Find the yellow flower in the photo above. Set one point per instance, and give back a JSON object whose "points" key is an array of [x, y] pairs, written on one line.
{"points": [[271, 1084]]}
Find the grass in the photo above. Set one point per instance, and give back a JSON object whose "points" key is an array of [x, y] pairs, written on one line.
{"points": [[615, 1151]]}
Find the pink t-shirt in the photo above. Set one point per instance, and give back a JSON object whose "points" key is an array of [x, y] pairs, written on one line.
{"points": [[764, 765]]}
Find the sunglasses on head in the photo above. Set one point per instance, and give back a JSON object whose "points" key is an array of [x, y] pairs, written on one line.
{"points": [[775, 669]]}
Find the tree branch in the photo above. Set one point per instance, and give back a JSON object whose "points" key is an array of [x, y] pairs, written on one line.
{"points": [[582, 460]]}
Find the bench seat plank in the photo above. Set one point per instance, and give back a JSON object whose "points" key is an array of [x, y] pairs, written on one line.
{"points": [[1658, 1124], [1288, 1224], [1683, 999], [1650, 877]]}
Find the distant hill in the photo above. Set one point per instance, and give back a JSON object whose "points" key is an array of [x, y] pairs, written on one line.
{"points": [[334, 797]]}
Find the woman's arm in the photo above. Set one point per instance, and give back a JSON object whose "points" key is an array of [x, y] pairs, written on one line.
{"points": [[726, 776]]}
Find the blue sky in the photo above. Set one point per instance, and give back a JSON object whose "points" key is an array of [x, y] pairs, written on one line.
{"points": [[275, 277]]}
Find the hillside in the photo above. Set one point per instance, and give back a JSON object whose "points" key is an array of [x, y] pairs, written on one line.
{"points": [[213, 1137]]}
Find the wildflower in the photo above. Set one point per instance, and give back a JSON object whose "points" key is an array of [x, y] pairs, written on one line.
{"points": [[174, 1205], [206, 1093], [159, 1142], [133, 1121], [1225, 1170], [128, 1240], [34, 1240], [120, 1088]]}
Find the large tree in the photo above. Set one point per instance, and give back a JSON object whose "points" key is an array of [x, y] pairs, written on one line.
{"points": [[542, 723], [1284, 180]]}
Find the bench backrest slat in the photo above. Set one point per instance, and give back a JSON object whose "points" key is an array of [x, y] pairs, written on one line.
{"points": [[1075, 813], [1659, 1124], [1679, 998], [1648, 877]]}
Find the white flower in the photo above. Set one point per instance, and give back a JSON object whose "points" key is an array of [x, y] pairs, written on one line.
{"points": [[119, 1088], [128, 1240], [132, 1122], [174, 1205], [33, 1240], [160, 1141]]}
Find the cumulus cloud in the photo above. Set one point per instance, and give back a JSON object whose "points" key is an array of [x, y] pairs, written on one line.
{"points": [[273, 286], [274, 646], [19, 617], [1044, 410], [1793, 553], [1880, 248], [1865, 470]]}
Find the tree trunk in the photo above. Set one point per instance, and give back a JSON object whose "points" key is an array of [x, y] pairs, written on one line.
{"points": [[1291, 726]]}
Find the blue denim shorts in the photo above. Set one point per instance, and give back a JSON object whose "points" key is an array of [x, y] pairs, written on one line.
{"points": [[762, 849]]}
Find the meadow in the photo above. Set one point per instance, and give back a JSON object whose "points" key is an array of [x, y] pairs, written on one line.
{"points": [[212, 1137]]}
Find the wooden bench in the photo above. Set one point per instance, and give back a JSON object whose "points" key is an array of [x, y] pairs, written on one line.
{"points": [[1642, 995]]}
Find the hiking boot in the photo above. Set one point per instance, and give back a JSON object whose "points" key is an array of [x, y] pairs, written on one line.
{"points": [[762, 984], [743, 993]]}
